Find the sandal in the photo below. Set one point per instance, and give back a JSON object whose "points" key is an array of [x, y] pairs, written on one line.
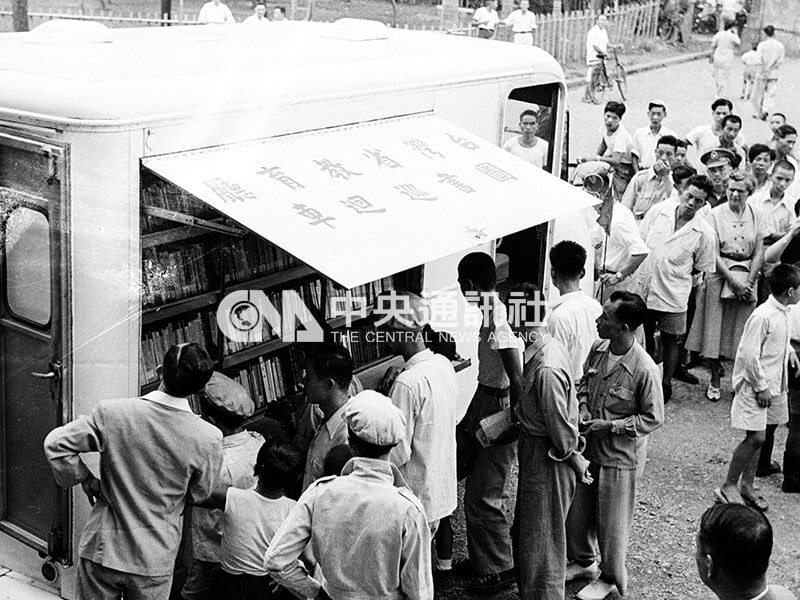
{"points": [[759, 503], [713, 393]]}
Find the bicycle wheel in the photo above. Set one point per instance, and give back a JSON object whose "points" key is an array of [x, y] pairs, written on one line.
{"points": [[622, 81], [600, 84]]}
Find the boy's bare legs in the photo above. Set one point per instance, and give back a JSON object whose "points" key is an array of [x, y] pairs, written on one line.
{"points": [[743, 465]]}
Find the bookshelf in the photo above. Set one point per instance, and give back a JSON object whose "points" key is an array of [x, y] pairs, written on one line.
{"points": [[192, 257]]}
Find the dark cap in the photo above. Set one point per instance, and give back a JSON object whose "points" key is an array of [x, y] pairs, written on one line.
{"points": [[718, 157]]}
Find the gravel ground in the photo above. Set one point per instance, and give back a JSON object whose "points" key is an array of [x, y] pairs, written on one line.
{"points": [[687, 459]]}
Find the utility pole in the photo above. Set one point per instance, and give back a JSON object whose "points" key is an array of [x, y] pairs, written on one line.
{"points": [[19, 15]]}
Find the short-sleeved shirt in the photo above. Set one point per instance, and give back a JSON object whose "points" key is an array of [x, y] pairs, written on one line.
{"points": [[331, 433], [704, 139], [623, 241], [619, 141], [665, 278], [249, 523], [595, 37], [572, 321], [536, 154], [751, 60], [772, 54], [645, 142], [778, 218], [485, 18], [521, 22], [215, 14], [495, 336], [737, 234], [645, 190]]}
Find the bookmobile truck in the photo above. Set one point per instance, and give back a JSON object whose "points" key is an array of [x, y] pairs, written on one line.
{"points": [[150, 177]]}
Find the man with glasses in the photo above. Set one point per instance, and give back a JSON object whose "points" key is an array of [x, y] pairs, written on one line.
{"points": [[680, 243]]}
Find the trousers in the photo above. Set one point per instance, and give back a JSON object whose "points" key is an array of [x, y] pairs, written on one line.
{"points": [[601, 515], [96, 582], [544, 493], [486, 493], [198, 580]]}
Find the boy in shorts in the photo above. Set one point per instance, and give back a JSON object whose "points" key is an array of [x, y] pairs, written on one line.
{"points": [[760, 384]]}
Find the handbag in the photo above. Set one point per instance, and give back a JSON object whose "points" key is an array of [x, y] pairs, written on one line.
{"points": [[740, 274]]}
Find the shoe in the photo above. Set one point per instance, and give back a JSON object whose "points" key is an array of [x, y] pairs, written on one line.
{"points": [[759, 503], [773, 469], [666, 389], [575, 571], [683, 374], [596, 590], [492, 583], [713, 393], [586, 100], [720, 497]]}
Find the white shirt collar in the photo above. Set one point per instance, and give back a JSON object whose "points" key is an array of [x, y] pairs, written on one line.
{"points": [[165, 399]]}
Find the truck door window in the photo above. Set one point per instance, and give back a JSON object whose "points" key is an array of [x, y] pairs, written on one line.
{"points": [[26, 247]]}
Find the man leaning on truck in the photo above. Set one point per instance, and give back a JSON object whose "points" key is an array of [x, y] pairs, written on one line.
{"points": [[155, 455]]}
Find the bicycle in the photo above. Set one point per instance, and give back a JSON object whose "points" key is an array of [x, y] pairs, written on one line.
{"points": [[601, 82]]}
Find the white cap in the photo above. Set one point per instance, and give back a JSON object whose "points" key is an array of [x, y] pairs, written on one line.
{"points": [[373, 418]]}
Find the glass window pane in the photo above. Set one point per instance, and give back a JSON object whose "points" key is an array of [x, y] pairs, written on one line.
{"points": [[27, 252]]}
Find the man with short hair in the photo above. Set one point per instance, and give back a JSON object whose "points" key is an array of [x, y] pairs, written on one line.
{"points": [[485, 19], [681, 242], [680, 175], [550, 461], [731, 126], [596, 50], [616, 148], [775, 204], [259, 16], [426, 392], [528, 146], [368, 530], [326, 383], [654, 184], [734, 544], [133, 532], [772, 54], [225, 404], [279, 14], [681, 150], [785, 139], [645, 139], [620, 403], [215, 12], [774, 121], [706, 137], [571, 318], [522, 22]]}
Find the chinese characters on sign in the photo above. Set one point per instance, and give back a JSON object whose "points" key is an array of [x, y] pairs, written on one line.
{"points": [[382, 159], [361, 205], [494, 172], [315, 217], [228, 191], [478, 233], [454, 181], [463, 142], [278, 174], [423, 148], [414, 193], [335, 170]]}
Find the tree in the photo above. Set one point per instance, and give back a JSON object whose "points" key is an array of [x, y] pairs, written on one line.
{"points": [[19, 12]]}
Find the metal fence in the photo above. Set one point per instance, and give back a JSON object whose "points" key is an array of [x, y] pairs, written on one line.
{"points": [[562, 35]]}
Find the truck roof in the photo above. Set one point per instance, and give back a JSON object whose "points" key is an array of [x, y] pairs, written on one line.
{"points": [[75, 70]]}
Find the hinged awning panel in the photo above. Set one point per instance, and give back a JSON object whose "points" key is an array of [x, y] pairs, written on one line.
{"points": [[361, 202]]}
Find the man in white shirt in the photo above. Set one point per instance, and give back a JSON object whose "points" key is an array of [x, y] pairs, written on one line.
{"points": [[596, 47], [259, 16], [772, 54], [774, 203], [681, 242], [652, 185], [706, 137], [645, 138], [522, 23], [616, 148], [279, 14], [571, 318], [486, 19], [528, 146], [426, 392], [215, 12]]}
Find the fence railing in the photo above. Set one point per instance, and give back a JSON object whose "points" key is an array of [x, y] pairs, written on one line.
{"points": [[562, 35]]}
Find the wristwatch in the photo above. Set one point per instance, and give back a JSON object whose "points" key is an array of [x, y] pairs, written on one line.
{"points": [[615, 427]]}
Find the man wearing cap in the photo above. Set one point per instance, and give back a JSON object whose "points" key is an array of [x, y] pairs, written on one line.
{"points": [[327, 379], [654, 184], [225, 404], [367, 530], [646, 138], [426, 392], [155, 456], [681, 242], [719, 166]]}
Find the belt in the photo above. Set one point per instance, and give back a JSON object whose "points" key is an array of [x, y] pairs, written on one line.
{"points": [[493, 391], [736, 257], [518, 32]]}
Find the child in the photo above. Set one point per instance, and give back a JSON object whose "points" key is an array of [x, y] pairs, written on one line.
{"points": [[250, 519], [751, 61], [760, 384]]}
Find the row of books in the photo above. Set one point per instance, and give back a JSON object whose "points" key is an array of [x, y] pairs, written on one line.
{"points": [[364, 345], [341, 300], [201, 328], [169, 275], [266, 380], [161, 194], [251, 257], [310, 293]]}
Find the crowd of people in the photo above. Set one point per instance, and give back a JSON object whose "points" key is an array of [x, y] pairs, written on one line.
{"points": [[215, 12]]}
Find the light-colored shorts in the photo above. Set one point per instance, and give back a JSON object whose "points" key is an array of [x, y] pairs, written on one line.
{"points": [[667, 322], [747, 415]]}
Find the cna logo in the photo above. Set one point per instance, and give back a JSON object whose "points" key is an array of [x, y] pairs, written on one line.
{"points": [[243, 316]]}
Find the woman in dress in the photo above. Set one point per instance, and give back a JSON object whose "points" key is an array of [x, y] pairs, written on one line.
{"points": [[729, 296], [723, 48]]}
